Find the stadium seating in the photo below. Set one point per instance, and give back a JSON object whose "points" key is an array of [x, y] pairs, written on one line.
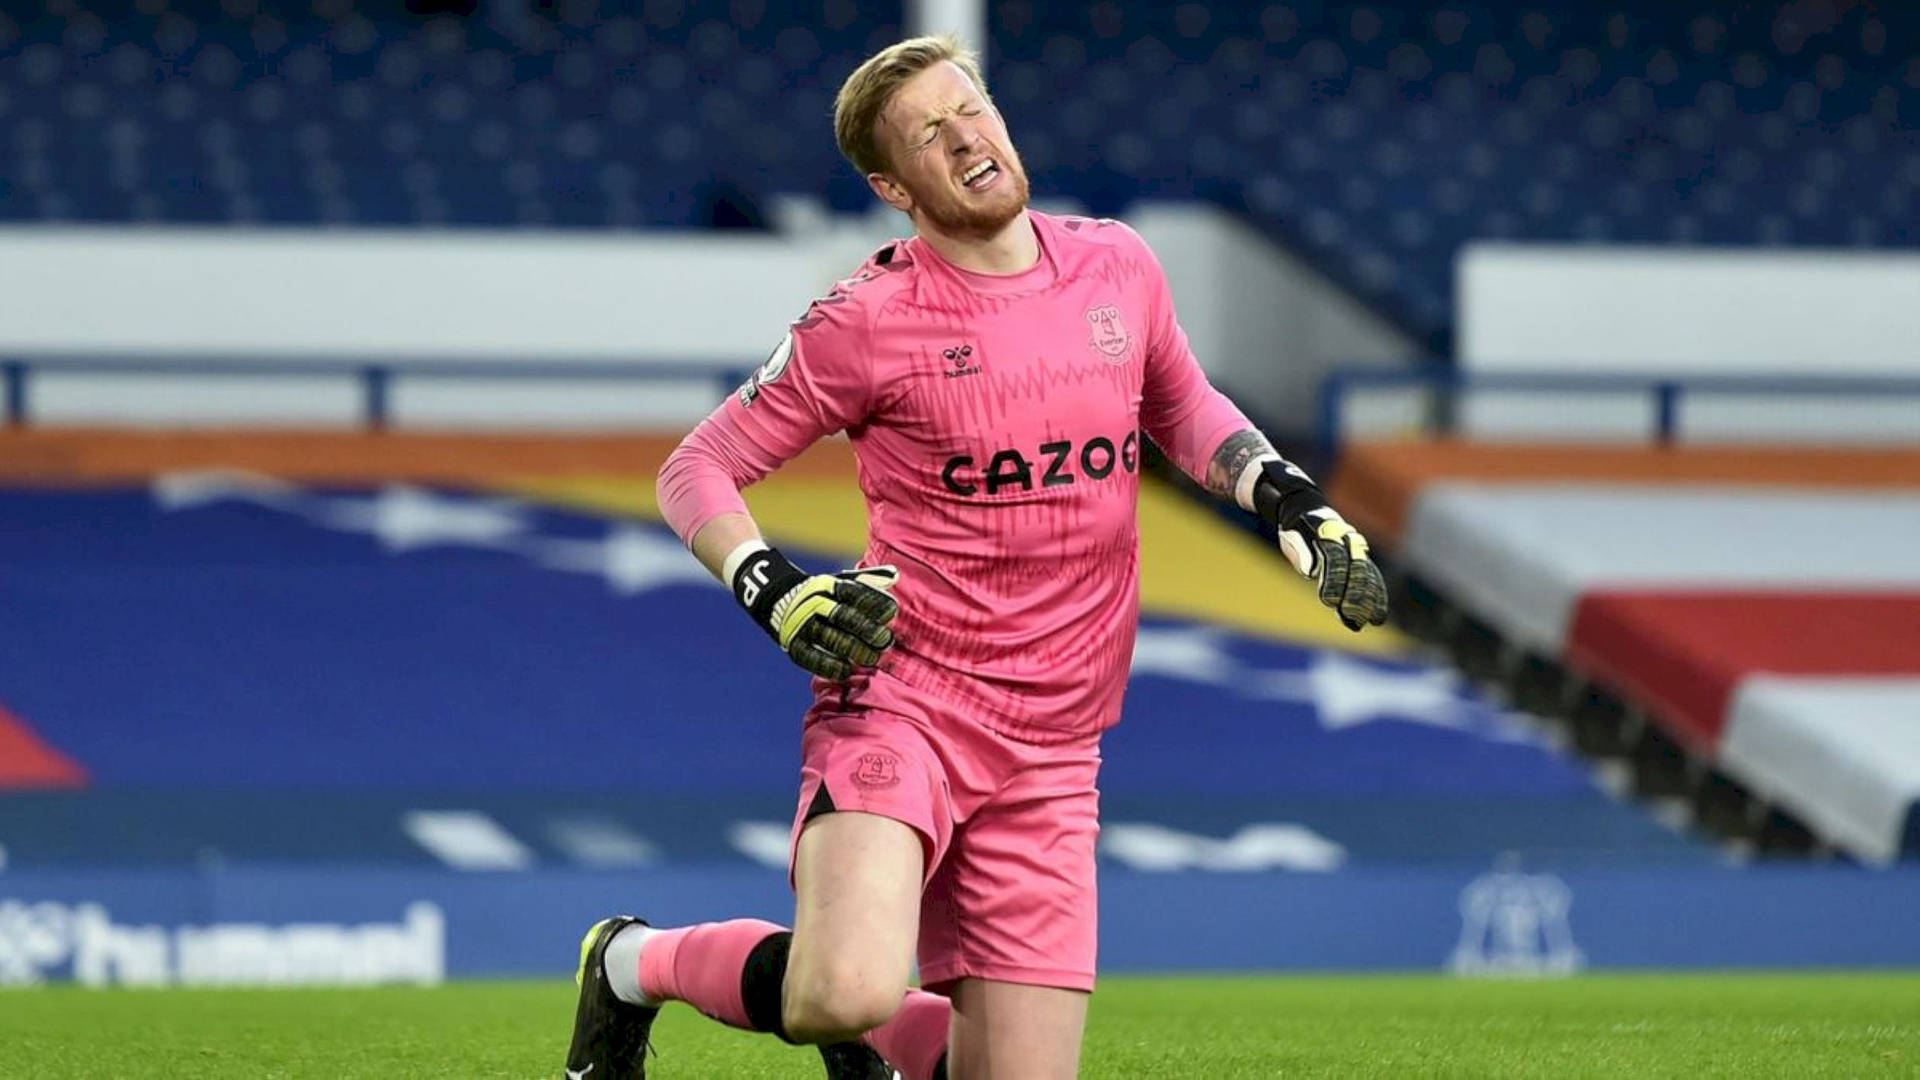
{"points": [[1761, 607], [659, 117], [1381, 136], [1374, 137]]}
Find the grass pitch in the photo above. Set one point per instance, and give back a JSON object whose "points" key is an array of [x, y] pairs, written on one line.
{"points": [[1828, 1025]]}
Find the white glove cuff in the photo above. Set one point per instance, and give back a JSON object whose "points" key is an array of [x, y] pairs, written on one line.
{"points": [[738, 555], [1243, 484], [1298, 546], [1298, 552]]}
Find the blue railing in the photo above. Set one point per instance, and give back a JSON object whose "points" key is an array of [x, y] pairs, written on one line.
{"points": [[376, 379], [1666, 392]]}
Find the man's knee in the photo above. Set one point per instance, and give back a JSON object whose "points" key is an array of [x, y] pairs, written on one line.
{"points": [[835, 1002]]}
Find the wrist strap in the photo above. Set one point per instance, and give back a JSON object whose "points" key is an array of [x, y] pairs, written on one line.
{"points": [[1282, 493], [731, 565], [1248, 479], [761, 579]]}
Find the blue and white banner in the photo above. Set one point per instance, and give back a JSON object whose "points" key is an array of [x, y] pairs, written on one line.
{"points": [[247, 669], [401, 735], [357, 926]]}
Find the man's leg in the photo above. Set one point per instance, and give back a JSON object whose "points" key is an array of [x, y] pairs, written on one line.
{"points": [[843, 969], [1011, 1031], [858, 868], [846, 966], [856, 878], [1010, 920]]}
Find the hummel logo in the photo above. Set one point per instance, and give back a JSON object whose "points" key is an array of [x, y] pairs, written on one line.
{"points": [[580, 1075], [960, 356]]}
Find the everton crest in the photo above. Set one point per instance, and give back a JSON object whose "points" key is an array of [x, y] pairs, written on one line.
{"points": [[1109, 335]]}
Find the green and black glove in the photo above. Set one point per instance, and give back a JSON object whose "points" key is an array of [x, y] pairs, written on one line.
{"points": [[1321, 545], [830, 624]]}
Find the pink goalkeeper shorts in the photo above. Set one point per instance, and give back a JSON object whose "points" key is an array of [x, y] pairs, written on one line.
{"points": [[1009, 830]]}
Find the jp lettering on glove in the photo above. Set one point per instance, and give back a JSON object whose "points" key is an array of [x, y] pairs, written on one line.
{"points": [[831, 624], [1317, 541]]}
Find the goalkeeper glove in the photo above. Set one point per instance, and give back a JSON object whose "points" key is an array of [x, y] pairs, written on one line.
{"points": [[830, 624], [1320, 544]]}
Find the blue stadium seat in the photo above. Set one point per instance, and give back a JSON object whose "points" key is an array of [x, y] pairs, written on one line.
{"points": [[1376, 137]]}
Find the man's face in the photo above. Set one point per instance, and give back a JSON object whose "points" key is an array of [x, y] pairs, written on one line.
{"points": [[951, 160]]}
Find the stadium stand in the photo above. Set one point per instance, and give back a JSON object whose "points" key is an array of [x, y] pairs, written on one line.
{"points": [[332, 113], [1374, 137], [323, 677], [1760, 606], [1381, 136]]}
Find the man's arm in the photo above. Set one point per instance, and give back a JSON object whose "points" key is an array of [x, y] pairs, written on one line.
{"points": [[1228, 466], [1246, 468], [830, 624], [720, 537], [1213, 442], [1313, 536]]}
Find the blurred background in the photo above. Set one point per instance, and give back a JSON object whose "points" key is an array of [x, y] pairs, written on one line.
{"points": [[340, 639]]}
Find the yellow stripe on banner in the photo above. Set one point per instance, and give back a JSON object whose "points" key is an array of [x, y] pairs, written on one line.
{"points": [[829, 517], [1195, 565], [624, 494], [1192, 564]]}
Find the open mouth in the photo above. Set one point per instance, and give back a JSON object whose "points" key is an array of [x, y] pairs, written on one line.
{"points": [[981, 175]]}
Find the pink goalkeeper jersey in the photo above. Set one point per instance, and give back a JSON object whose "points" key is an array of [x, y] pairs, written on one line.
{"points": [[996, 423]]}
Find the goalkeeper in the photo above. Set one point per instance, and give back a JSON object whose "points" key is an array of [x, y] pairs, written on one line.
{"points": [[994, 373]]}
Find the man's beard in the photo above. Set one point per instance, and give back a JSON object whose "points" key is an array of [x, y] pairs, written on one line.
{"points": [[972, 219]]}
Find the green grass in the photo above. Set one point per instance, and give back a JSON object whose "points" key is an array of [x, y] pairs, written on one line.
{"points": [[1652, 1025]]}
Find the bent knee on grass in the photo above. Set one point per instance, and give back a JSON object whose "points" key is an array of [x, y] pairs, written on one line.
{"points": [[1010, 1031]]}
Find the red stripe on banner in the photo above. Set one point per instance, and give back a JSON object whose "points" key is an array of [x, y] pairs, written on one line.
{"points": [[26, 761], [1681, 654]]}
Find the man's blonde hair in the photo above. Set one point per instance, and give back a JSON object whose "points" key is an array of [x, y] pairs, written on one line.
{"points": [[864, 96]]}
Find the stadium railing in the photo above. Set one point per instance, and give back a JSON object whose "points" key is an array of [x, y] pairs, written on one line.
{"points": [[1447, 389], [376, 379]]}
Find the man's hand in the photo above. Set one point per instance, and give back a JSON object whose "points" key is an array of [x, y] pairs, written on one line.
{"points": [[1321, 545], [830, 624]]}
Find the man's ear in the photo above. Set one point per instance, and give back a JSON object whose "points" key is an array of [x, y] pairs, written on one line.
{"points": [[890, 192]]}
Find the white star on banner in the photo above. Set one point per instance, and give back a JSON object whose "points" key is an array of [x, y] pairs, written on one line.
{"points": [[631, 559], [405, 518], [190, 489], [1344, 692], [1191, 652]]}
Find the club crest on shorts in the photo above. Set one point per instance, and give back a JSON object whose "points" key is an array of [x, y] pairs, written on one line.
{"points": [[877, 771], [1110, 338]]}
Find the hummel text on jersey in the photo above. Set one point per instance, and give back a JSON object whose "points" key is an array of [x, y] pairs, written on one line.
{"points": [[961, 357], [1096, 459]]}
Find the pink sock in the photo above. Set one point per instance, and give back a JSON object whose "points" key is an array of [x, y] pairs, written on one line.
{"points": [[701, 965], [916, 1038]]}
